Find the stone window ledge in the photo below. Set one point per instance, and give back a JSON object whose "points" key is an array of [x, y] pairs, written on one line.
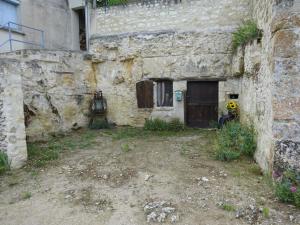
{"points": [[171, 108]]}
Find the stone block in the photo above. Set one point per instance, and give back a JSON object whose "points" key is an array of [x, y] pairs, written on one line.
{"points": [[287, 155]]}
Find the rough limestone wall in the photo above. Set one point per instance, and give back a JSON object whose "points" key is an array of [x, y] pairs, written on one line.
{"points": [[255, 63], [123, 60], [3, 143], [57, 87], [270, 85], [159, 15], [285, 30], [12, 128], [186, 41]]}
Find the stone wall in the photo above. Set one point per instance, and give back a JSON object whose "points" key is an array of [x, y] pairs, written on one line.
{"points": [[12, 137], [185, 41], [285, 29], [3, 144], [123, 60], [269, 87], [57, 87], [187, 15]]}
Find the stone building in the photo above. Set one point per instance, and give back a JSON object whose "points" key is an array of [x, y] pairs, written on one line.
{"points": [[170, 60], [51, 24]]}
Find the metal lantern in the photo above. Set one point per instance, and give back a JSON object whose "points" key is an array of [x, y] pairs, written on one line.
{"points": [[99, 105], [98, 110]]}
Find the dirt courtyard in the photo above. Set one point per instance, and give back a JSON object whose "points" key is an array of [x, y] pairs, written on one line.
{"points": [[120, 179]]}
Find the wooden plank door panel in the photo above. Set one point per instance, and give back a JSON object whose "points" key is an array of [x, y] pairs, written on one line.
{"points": [[202, 103]]}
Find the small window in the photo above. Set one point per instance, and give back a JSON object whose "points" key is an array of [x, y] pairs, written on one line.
{"points": [[8, 12], [233, 96], [164, 93], [144, 94]]}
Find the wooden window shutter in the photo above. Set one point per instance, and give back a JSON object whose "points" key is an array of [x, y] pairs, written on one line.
{"points": [[144, 94]]}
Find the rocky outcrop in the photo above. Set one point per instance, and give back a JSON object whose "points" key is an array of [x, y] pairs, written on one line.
{"points": [[57, 88], [12, 128], [270, 98]]}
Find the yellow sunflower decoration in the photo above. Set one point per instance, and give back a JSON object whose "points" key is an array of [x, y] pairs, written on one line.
{"points": [[233, 107]]}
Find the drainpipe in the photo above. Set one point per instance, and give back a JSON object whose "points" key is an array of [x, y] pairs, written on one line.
{"points": [[87, 25]]}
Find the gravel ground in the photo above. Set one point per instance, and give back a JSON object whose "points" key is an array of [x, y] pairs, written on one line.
{"points": [[142, 180]]}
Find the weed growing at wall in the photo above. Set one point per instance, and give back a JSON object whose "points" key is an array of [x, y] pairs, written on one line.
{"points": [[161, 125], [246, 33], [228, 207], [103, 3], [266, 212], [235, 140], [26, 195], [133, 132], [287, 187], [4, 163]]}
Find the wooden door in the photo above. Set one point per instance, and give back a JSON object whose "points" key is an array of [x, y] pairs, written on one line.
{"points": [[202, 103], [144, 94]]}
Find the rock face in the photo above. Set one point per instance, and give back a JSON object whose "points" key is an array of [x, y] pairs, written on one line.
{"points": [[12, 136], [3, 143], [57, 88], [269, 87], [121, 61], [286, 98], [180, 42], [287, 155]]}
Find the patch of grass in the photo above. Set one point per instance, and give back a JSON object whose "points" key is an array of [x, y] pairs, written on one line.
{"points": [[246, 33], [213, 124], [26, 195], [184, 150], [125, 148], [34, 173], [161, 125], [228, 207], [235, 140], [297, 198], [128, 132], [255, 169], [100, 123], [41, 153], [224, 155], [237, 174], [134, 132], [4, 163], [287, 187], [282, 191], [266, 212]]}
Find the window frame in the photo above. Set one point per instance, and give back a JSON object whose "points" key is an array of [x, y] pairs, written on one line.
{"points": [[15, 4], [169, 104]]}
